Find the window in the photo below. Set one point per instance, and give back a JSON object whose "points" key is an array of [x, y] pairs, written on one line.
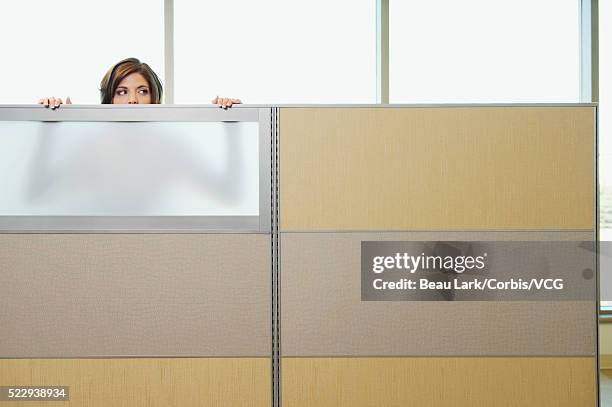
{"points": [[64, 48], [276, 51], [449, 51]]}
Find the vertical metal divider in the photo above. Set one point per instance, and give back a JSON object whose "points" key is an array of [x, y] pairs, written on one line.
{"points": [[169, 51], [382, 51], [276, 392], [597, 263], [589, 51]]}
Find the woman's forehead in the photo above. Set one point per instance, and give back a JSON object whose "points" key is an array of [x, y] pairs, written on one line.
{"points": [[134, 80]]}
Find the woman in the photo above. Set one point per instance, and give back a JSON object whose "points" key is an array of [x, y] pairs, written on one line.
{"points": [[131, 82]]}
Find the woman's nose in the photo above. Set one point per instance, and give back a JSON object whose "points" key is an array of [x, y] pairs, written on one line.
{"points": [[133, 99]]}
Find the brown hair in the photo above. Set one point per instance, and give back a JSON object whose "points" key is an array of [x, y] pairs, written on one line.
{"points": [[120, 70]]}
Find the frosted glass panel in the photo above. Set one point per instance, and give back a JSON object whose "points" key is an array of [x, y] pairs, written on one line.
{"points": [[484, 51], [129, 169]]}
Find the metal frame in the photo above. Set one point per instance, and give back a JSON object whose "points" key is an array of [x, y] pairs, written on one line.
{"points": [[589, 92], [597, 247], [382, 51], [149, 224], [589, 51], [276, 289], [128, 113], [169, 51]]}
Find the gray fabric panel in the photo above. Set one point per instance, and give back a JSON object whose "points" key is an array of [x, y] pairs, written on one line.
{"points": [[134, 295], [323, 315]]}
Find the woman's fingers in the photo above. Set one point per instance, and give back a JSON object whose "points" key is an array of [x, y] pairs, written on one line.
{"points": [[53, 102], [225, 102], [230, 102], [219, 101]]}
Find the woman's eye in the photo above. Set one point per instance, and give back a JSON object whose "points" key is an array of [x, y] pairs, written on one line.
{"points": [[121, 92], [144, 91]]}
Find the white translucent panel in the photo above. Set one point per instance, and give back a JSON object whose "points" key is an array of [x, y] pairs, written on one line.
{"points": [[64, 48], [276, 51], [484, 51], [129, 169]]}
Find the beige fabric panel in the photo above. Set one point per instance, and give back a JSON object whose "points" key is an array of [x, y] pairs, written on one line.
{"points": [[66, 295], [438, 382], [183, 382], [323, 315], [437, 168]]}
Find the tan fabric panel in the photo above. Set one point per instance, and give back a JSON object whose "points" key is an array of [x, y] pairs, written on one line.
{"points": [[82, 295], [183, 382], [438, 382], [437, 168], [323, 315]]}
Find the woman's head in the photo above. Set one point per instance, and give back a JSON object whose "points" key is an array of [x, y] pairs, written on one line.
{"points": [[130, 81]]}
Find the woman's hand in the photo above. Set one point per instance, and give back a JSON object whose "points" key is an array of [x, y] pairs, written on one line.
{"points": [[225, 102], [53, 102]]}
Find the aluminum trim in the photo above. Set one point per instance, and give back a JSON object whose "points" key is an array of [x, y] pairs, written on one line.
{"points": [[128, 224], [148, 113], [169, 51], [291, 105], [597, 248], [265, 206]]}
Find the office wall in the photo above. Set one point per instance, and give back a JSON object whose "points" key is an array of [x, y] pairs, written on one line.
{"points": [[195, 308], [489, 173]]}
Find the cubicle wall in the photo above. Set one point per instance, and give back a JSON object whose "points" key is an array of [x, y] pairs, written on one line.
{"points": [[353, 175], [136, 254], [189, 256]]}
